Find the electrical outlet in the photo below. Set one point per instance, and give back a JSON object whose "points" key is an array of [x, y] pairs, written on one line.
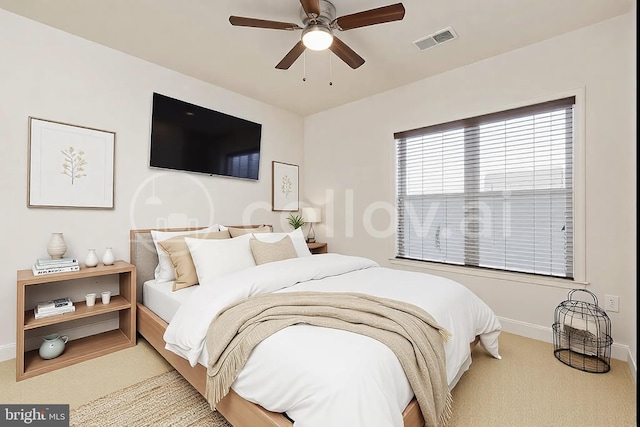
{"points": [[611, 303]]}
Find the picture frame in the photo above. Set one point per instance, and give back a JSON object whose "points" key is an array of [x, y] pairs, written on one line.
{"points": [[69, 166], [284, 189]]}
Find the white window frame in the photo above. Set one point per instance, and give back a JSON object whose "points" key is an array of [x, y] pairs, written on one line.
{"points": [[579, 206]]}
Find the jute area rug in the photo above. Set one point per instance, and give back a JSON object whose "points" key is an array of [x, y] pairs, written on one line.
{"points": [[164, 400]]}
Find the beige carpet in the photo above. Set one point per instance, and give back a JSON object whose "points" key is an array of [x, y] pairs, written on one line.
{"points": [[529, 387]]}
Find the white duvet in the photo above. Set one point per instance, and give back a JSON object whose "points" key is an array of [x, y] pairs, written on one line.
{"points": [[323, 377]]}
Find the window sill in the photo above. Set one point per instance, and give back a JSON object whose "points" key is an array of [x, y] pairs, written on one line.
{"points": [[489, 274]]}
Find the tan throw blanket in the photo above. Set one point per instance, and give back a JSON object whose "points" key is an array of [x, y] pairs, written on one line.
{"points": [[410, 332]]}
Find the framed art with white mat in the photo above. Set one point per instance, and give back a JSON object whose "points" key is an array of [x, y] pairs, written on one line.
{"points": [[70, 166], [284, 191]]}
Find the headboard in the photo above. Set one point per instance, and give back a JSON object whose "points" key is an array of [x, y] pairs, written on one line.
{"points": [[142, 253]]}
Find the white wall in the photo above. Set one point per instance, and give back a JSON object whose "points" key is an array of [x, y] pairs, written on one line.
{"points": [[349, 164], [53, 75]]}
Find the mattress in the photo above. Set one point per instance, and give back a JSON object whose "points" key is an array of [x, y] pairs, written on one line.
{"points": [[160, 298]]}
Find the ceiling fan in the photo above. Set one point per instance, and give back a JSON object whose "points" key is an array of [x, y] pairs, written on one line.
{"points": [[319, 20]]}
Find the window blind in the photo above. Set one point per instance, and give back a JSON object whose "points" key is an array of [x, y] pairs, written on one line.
{"points": [[493, 191]]}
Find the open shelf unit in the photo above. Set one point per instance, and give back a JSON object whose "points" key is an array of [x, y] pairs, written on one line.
{"points": [[29, 363]]}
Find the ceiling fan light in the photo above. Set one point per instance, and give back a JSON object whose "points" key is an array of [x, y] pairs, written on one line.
{"points": [[317, 37]]}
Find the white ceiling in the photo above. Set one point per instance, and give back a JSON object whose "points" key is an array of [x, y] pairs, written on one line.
{"points": [[194, 37]]}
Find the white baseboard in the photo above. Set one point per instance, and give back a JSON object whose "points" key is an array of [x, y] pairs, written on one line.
{"points": [[545, 334], [7, 352]]}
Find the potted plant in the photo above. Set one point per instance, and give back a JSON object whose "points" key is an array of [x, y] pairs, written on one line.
{"points": [[295, 221]]}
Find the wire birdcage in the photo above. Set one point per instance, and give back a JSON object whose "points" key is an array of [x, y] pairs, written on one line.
{"points": [[582, 334]]}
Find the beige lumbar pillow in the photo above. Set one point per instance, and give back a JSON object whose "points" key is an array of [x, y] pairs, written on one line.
{"points": [[236, 232], [264, 252], [180, 257]]}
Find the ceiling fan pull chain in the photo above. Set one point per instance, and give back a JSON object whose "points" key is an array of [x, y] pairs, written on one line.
{"points": [[330, 71], [304, 66]]}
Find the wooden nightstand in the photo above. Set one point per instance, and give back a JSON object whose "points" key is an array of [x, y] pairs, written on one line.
{"points": [[29, 364], [317, 248]]}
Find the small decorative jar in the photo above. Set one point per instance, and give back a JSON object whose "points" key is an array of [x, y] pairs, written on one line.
{"points": [[108, 258], [52, 346], [57, 246], [92, 259]]}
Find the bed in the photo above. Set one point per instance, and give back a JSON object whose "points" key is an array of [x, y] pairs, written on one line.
{"points": [[159, 305]]}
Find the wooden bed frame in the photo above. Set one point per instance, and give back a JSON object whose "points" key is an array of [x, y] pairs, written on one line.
{"points": [[238, 411]]}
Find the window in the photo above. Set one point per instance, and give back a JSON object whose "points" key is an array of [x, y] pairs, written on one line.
{"points": [[494, 191]]}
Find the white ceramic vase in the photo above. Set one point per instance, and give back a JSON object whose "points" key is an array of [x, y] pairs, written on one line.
{"points": [[92, 259], [108, 258], [57, 246]]}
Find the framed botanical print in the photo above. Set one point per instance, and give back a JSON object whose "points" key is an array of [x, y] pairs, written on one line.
{"points": [[70, 166], [284, 192]]}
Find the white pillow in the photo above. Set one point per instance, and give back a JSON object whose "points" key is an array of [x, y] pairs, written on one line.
{"points": [[217, 258], [299, 242], [164, 270]]}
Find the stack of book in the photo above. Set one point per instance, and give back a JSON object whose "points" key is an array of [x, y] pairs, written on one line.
{"points": [[48, 266], [54, 307]]}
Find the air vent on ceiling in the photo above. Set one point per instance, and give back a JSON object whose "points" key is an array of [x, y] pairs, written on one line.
{"points": [[436, 39]]}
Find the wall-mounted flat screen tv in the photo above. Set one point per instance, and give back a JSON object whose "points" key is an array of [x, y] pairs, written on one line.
{"points": [[190, 138]]}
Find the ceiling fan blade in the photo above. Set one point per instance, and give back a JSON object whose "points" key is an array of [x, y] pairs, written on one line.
{"points": [[291, 57], [311, 7], [261, 23], [345, 53], [394, 12]]}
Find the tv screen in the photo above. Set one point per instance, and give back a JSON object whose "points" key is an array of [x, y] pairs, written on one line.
{"points": [[190, 138]]}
